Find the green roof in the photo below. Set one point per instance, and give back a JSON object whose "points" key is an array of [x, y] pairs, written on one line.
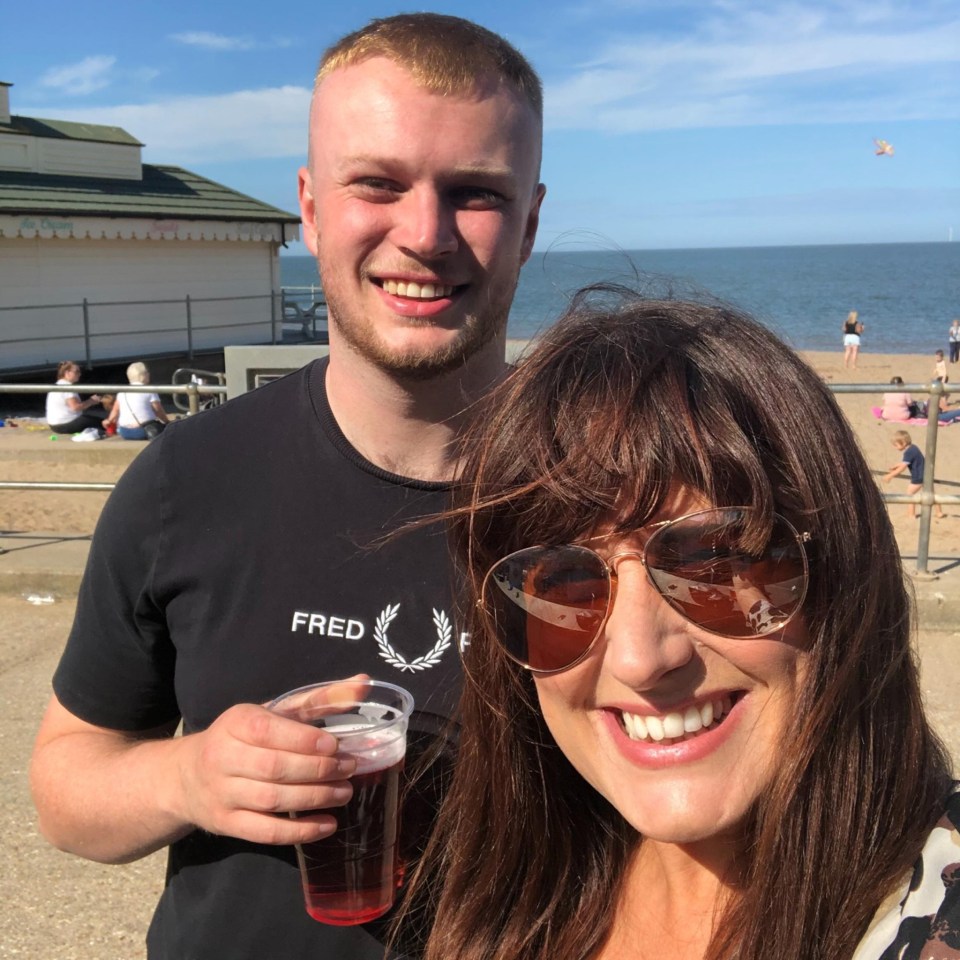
{"points": [[163, 193], [68, 130]]}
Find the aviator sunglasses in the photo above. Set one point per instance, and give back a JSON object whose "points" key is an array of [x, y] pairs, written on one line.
{"points": [[548, 604]]}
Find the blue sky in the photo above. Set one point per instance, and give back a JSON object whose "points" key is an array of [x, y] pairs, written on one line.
{"points": [[668, 123]]}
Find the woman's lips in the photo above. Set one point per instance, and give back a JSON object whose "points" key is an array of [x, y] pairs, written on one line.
{"points": [[661, 740], [676, 725]]}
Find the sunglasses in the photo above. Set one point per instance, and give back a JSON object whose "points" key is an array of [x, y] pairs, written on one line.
{"points": [[548, 604]]}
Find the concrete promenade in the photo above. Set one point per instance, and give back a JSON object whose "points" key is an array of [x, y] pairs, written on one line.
{"points": [[58, 907]]}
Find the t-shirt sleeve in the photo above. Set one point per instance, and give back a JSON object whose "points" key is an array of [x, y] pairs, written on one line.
{"points": [[117, 670]]}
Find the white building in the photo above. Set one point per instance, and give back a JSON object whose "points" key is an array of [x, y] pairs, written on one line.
{"points": [[105, 257]]}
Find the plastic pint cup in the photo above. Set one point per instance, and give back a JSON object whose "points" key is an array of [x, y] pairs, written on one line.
{"points": [[352, 876]]}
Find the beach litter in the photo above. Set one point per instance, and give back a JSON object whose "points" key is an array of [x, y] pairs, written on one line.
{"points": [[39, 599]]}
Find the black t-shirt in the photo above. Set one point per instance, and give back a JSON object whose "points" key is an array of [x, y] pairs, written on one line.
{"points": [[243, 554]]}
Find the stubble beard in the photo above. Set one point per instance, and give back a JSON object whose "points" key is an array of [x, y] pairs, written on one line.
{"points": [[476, 331]]}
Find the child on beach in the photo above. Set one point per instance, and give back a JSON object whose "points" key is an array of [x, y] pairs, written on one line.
{"points": [[940, 367], [913, 461]]}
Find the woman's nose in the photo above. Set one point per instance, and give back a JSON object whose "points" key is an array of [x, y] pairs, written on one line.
{"points": [[426, 225], [645, 639]]}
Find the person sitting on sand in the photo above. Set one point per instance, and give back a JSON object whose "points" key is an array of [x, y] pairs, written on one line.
{"points": [[898, 406], [66, 412], [138, 416]]}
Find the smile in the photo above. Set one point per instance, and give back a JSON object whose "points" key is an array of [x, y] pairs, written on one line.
{"points": [[416, 291], [676, 727]]}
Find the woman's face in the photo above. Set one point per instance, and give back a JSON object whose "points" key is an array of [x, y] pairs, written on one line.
{"points": [[72, 374], [653, 669]]}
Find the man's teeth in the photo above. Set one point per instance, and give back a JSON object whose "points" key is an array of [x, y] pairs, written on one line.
{"points": [[418, 291], [672, 727]]}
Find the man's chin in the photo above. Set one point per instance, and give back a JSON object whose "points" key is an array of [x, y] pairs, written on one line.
{"points": [[419, 365], [419, 361]]}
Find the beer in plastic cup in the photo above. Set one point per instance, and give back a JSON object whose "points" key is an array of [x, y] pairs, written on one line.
{"points": [[352, 876]]}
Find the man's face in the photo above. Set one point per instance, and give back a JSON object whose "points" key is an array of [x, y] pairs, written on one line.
{"points": [[420, 210]]}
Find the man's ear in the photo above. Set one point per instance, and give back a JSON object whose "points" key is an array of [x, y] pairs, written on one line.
{"points": [[533, 221], [308, 210]]}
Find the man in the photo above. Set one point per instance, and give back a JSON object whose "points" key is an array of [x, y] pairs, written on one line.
{"points": [[243, 553]]}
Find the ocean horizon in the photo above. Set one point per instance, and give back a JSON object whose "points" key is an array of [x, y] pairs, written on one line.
{"points": [[906, 293]]}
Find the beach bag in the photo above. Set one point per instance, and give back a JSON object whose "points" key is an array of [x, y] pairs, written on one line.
{"points": [[153, 428], [917, 409]]}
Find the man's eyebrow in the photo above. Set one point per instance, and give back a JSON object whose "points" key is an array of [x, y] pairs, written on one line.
{"points": [[386, 163]]}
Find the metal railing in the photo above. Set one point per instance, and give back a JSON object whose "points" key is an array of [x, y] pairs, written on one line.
{"points": [[926, 498], [300, 306]]}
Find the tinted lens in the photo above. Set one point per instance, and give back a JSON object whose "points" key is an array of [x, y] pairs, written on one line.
{"points": [[710, 572], [547, 604]]}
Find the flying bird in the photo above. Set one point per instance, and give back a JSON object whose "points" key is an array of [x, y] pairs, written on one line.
{"points": [[884, 149]]}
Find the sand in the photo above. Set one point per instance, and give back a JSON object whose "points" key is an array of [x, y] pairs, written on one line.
{"points": [[76, 513]]}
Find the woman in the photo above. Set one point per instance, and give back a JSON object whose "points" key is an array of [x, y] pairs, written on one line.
{"points": [[66, 412], [852, 329], [138, 416], [718, 749], [898, 406], [944, 413]]}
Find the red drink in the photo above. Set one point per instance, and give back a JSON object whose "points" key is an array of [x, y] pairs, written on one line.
{"points": [[352, 876]]}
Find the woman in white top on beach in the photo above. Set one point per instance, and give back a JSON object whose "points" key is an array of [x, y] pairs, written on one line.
{"points": [[136, 413], [66, 412]]}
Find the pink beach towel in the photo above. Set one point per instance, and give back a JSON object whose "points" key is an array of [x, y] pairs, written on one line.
{"points": [[918, 421]]}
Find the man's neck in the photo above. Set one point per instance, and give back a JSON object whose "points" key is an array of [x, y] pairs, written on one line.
{"points": [[409, 427]]}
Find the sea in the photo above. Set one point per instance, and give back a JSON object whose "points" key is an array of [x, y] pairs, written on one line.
{"points": [[906, 293]]}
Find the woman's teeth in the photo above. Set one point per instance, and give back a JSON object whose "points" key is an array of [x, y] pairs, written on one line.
{"points": [[417, 291], [675, 727]]}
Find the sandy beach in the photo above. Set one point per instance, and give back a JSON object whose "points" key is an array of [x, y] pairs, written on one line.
{"points": [[77, 512], [69, 909]]}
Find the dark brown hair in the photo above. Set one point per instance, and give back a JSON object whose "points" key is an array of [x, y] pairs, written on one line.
{"points": [[623, 399]]}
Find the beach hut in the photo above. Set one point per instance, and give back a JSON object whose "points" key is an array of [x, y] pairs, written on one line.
{"points": [[104, 257]]}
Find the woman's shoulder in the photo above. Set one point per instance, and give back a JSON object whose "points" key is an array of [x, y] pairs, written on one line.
{"points": [[923, 918]]}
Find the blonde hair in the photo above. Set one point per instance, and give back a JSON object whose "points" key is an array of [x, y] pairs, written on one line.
{"points": [[137, 372], [447, 55], [903, 437]]}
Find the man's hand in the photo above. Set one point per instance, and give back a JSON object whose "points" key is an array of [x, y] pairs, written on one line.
{"points": [[112, 796], [251, 768]]}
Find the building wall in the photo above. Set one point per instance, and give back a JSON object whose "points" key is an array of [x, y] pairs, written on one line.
{"points": [[43, 283], [117, 161]]}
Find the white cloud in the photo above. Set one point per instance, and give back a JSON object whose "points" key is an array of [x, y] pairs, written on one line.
{"points": [[247, 124], [745, 65], [212, 41], [77, 79], [219, 41]]}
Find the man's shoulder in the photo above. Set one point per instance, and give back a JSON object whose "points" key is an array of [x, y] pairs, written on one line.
{"points": [[267, 407]]}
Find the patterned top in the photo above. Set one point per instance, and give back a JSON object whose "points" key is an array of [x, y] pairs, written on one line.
{"points": [[921, 920]]}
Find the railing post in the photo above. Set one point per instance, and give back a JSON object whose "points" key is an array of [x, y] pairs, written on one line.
{"points": [[929, 468], [86, 334], [189, 329], [193, 399]]}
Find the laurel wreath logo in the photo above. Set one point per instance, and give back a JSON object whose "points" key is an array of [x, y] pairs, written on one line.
{"points": [[430, 659]]}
